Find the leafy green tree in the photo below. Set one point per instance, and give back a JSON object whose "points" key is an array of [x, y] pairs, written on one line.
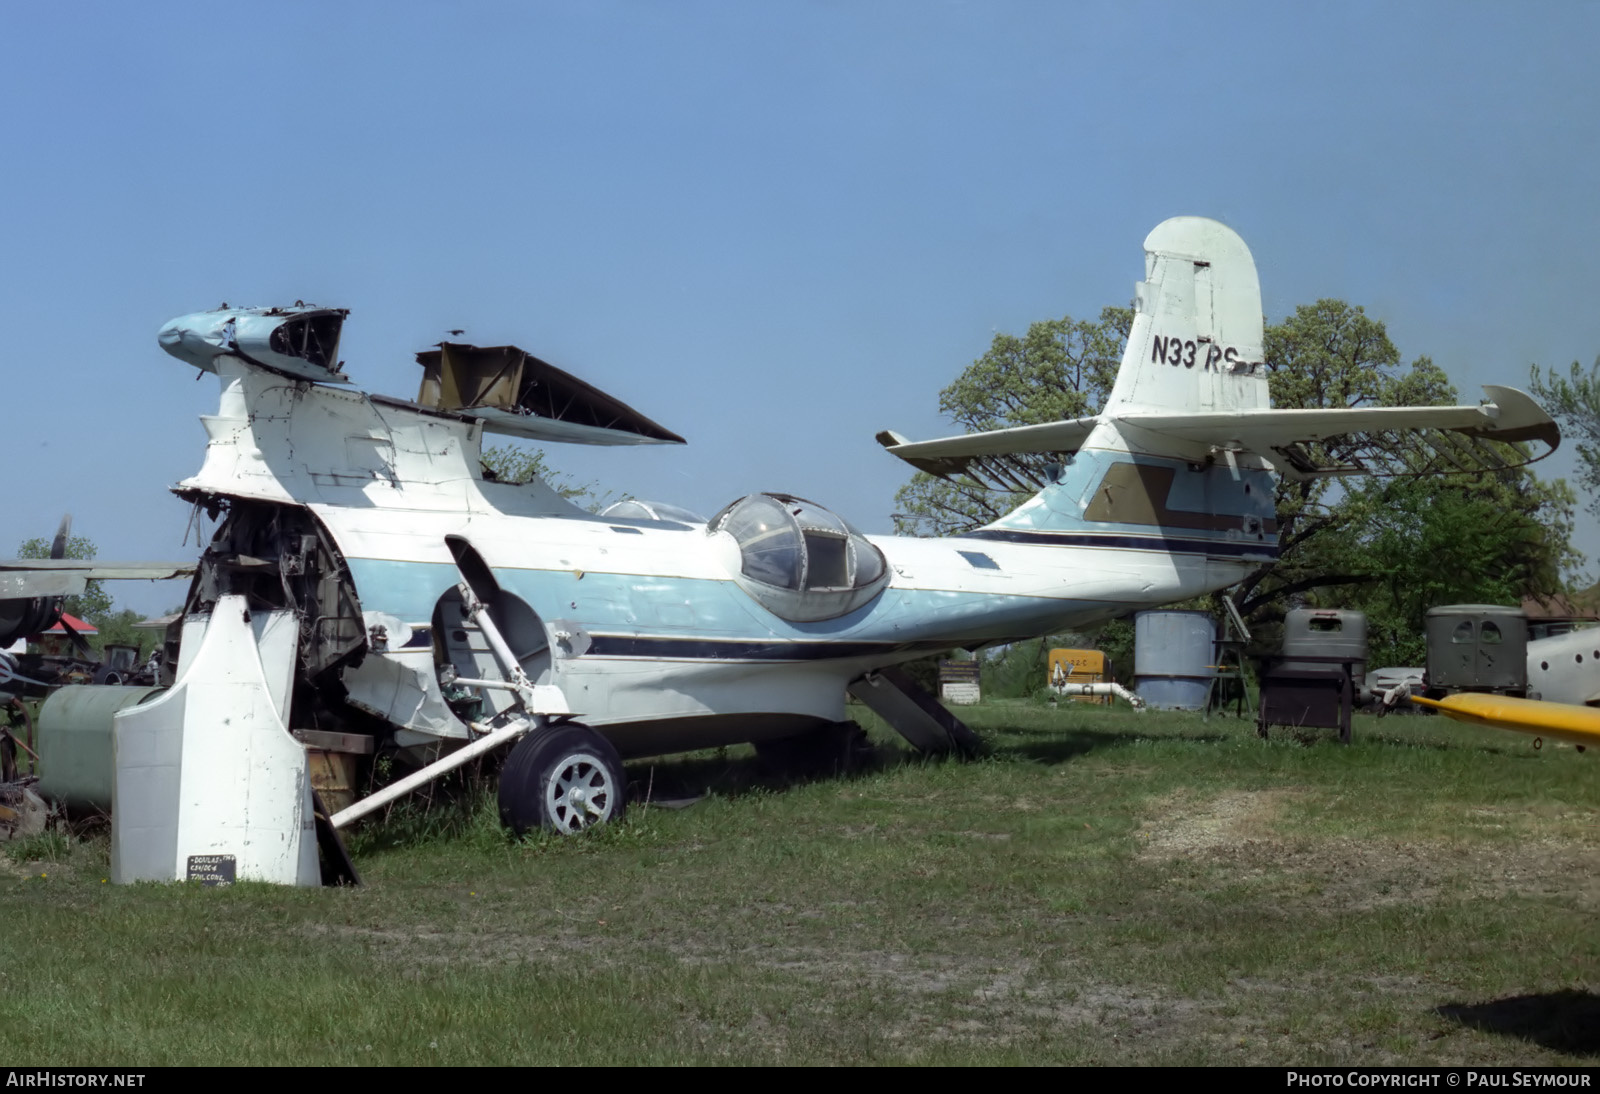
{"points": [[1395, 547], [1574, 401], [118, 628], [94, 600], [1424, 542], [1327, 355]]}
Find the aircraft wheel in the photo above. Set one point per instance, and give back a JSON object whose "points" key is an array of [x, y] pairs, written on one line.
{"points": [[564, 778]]}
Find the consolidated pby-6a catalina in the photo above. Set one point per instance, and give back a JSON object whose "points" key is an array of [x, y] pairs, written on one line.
{"points": [[369, 579]]}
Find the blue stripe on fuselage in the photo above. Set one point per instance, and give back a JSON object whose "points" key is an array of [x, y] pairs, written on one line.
{"points": [[624, 612], [1223, 548]]}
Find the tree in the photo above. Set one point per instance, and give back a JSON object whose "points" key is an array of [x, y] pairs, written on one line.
{"points": [[1574, 401], [1327, 355], [1423, 542], [1062, 368], [508, 463], [119, 628], [94, 601]]}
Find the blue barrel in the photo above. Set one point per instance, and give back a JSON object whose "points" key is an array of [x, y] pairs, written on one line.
{"points": [[1173, 655]]}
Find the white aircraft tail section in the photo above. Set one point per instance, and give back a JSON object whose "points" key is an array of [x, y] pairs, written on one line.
{"points": [[1192, 386], [1196, 342]]}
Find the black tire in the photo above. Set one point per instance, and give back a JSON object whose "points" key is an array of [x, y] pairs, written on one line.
{"points": [[564, 778]]}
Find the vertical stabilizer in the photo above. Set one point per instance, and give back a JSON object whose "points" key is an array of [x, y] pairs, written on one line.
{"points": [[1196, 342]]}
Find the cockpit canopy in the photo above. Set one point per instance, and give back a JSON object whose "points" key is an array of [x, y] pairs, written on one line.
{"points": [[800, 561]]}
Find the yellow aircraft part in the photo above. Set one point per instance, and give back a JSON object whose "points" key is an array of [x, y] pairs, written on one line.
{"points": [[1567, 721]]}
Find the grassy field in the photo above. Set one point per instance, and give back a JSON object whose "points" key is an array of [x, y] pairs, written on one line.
{"points": [[1101, 888]]}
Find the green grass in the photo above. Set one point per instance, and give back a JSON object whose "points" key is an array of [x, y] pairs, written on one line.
{"points": [[1100, 888]]}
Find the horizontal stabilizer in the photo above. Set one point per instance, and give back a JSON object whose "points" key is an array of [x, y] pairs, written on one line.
{"points": [[993, 455], [1382, 441]]}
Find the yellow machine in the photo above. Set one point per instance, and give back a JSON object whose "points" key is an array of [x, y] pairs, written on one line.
{"points": [[1070, 667], [1566, 721]]}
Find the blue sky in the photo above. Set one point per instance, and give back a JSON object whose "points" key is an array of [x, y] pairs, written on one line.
{"points": [[775, 228]]}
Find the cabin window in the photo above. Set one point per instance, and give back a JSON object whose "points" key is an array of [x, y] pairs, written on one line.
{"points": [[637, 509], [827, 562], [769, 542], [801, 561], [979, 560]]}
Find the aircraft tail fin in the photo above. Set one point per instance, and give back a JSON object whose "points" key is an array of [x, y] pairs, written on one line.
{"points": [[1196, 340]]}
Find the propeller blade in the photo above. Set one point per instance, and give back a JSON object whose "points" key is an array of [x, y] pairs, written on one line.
{"points": [[78, 641], [58, 549]]}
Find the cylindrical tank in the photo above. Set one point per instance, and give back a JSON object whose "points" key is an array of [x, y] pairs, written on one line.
{"points": [[76, 760], [1173, 654], [1478, 647], [1326, 632]]}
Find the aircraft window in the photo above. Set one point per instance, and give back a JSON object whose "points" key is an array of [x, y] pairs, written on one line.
{"points": [[770, 542], [867, 560], [635, 509], [799, 560], [1490, 635], [827, 562], [979, 560], [1463, 632]]}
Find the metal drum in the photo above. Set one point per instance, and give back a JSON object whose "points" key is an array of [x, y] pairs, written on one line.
{"points": [[1174, 656], [76, 758]]}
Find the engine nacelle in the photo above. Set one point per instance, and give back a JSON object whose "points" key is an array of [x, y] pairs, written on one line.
{"points": [[300, 341]]}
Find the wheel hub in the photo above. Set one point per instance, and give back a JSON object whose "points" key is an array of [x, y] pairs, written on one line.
{"points": [[579, 794]]}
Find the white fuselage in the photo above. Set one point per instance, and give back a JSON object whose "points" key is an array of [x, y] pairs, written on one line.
{"points": [[650, 634]]}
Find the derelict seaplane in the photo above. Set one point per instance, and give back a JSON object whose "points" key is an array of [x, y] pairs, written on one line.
{"points": [[370, 583]]}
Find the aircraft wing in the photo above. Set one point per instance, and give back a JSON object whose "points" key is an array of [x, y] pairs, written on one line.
{"points": [[1580, 725], [26, 578], [513, 392]]}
